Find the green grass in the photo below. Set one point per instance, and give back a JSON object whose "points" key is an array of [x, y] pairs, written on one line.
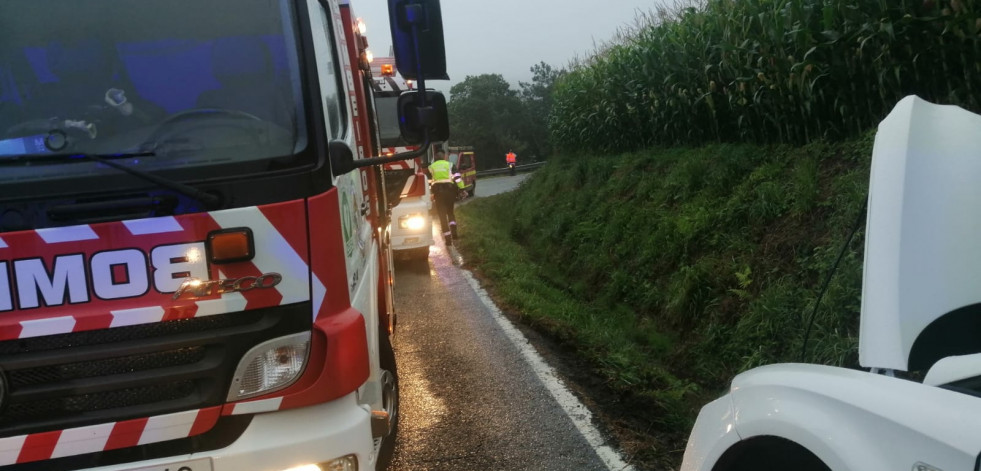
{"points": [[669, 271], [619, 343]]}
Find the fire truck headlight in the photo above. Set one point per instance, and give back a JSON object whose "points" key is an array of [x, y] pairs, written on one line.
{"points": [[412, 222], [270, 366]]}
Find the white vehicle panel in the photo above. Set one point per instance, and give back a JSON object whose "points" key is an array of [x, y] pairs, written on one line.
{"points": [[851, 420], [712, 436], [955, 368], [192, 465], [855, 420], [921, 252]]}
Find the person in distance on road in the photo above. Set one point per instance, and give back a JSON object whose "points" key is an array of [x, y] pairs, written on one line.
{"points": [[445, 185], [512, 158]]}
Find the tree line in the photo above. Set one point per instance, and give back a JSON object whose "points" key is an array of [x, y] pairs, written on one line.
{"points": [[486, 113]]}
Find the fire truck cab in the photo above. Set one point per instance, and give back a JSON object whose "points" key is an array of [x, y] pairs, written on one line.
{"points": [[195, 273]]}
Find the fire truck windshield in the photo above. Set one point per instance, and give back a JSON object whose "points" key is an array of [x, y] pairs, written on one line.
{"points": [[200, 84]]}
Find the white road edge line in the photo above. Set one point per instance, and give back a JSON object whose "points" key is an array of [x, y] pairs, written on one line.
{"points": [[575, 410]]}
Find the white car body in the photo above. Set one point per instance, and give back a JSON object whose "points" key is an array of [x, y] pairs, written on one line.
{"points": [[920, 302], [415, 238], [850, 420]]}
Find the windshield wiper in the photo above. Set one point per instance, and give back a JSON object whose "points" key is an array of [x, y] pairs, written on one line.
{"points": [[210, 201]]}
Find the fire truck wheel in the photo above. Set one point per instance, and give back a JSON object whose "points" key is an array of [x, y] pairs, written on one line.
{"points": [[390, 398]]}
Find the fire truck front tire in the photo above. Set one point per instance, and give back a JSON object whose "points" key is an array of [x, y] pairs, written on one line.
{"points": [[390, 395]]}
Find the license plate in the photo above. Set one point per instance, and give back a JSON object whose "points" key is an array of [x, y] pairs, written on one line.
{"points": [[411, 240], [203, 464]]}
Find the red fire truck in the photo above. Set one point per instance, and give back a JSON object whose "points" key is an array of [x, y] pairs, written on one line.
{"points": [[407, 184], [194, 272]]}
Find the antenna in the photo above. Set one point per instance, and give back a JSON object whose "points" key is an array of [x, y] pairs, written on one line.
{"points": [[831, 274]]}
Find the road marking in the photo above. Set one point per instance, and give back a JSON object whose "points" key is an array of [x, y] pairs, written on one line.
{"points": [[575, 410]]}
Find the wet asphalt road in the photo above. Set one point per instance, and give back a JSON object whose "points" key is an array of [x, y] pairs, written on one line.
{"points": [[494, 185], [469, 401]]}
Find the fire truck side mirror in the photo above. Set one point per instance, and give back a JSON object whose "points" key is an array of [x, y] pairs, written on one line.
{"points": [[415, 119], [341, 157], [417, 26]]}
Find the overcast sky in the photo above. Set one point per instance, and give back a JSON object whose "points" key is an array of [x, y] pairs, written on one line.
{"points": [[507, 37]]}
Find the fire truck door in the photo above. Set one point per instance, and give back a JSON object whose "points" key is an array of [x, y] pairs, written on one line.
{"points": [[336, 86]]}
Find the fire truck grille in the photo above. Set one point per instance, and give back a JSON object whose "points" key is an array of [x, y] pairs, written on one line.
{"points": [[123, 334], [72, 380], [48, 409], [106, 367]]}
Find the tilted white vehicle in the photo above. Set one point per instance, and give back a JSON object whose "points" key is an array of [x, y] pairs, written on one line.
{"points": [[921, 311]]}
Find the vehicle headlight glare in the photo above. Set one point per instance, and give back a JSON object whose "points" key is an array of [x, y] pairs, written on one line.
{"points": [[344, 463], [412, 222], [270, 366], [306, 467]]}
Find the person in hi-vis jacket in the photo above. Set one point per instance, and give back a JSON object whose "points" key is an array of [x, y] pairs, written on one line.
{"points": [[445, 186]]}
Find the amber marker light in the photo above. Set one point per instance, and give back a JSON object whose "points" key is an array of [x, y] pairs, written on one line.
{"points": [[230, 245], [388, 70]]}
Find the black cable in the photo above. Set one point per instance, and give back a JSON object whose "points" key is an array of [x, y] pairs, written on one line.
{"points": [[827, 281]]}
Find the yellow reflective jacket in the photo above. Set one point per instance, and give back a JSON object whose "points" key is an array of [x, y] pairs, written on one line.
{"points": [[442, 172]]}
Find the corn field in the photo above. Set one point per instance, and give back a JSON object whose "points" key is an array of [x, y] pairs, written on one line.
{"points": [[769, 71]]}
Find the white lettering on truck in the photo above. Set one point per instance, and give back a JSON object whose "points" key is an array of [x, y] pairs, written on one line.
{"points": [[104, 283], [6, 300], [114, 274], [33, 278]]}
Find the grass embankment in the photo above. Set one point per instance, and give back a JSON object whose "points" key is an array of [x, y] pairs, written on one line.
{"points": [[669, 271]]}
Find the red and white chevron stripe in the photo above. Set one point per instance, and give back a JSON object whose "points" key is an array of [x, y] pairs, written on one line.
{"points": [[414, 186], [410, 164], [104, 437], [400, 165], [281, 243]]}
